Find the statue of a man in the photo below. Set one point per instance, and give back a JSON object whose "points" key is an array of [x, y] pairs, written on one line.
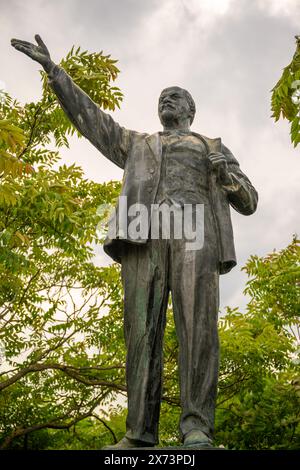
{"points": [[180, 168]]}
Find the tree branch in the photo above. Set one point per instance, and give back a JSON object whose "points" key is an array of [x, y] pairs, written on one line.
{"points": [[70, 371], [107, 427], [20, 431]]}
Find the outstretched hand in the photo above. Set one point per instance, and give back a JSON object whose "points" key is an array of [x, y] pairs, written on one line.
{"points": [[38, 53]]}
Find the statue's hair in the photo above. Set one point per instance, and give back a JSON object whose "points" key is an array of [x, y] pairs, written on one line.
{"points": [[191, 104]]}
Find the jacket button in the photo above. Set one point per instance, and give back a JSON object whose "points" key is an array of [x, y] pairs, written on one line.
{"points": [[150, 189], [151, 170]]}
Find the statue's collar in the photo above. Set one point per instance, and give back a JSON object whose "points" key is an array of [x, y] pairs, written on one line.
{"points": [[174, 132]]}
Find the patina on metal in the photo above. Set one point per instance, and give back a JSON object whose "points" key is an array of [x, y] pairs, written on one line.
{"points": [[175, 167]]}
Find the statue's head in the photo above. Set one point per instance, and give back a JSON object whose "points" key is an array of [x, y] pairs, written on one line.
{"points": [[175, 103]]}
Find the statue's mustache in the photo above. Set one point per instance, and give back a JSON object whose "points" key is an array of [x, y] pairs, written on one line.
{"points": [[167, 105]]}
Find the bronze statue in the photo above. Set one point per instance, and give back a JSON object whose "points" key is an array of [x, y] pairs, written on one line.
{"points": [[173, 168]]}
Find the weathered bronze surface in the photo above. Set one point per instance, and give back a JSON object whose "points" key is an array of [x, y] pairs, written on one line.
{"points": [[174, 167]]}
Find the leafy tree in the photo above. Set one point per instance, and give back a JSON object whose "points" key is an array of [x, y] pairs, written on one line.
{"points": [[285, 100], [51, 292], [258, 405]]}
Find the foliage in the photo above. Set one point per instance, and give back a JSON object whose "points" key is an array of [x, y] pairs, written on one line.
{"points": [[259, 393], [285, 99], [93, 74], [91, 433], [53, 298], [25, 132], [263, 417], [274, 287]]}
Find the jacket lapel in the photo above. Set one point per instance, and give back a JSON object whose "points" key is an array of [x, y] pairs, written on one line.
{"points": [[212, 145], [154, 142]]}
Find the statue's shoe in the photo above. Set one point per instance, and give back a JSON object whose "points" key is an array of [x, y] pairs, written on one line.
{"points": [[126, 443], [197, 438]]}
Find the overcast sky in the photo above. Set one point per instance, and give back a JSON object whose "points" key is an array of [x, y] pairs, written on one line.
{"points": [[227, 53]]}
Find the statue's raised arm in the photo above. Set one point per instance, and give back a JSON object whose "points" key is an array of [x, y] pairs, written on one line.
{"points": [[98, 127]]}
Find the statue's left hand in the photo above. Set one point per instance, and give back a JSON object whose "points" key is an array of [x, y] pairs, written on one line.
{"points": [[219, 164], [38, 53]]}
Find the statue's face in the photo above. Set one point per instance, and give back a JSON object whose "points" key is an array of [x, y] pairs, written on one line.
{"points": [[173, 105]]}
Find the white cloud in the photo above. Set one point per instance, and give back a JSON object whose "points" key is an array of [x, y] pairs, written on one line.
{"points": [[208, 8], [288, 8]]}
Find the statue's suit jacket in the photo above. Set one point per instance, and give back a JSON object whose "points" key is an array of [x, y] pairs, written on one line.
{"points": [[139, 154]]}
